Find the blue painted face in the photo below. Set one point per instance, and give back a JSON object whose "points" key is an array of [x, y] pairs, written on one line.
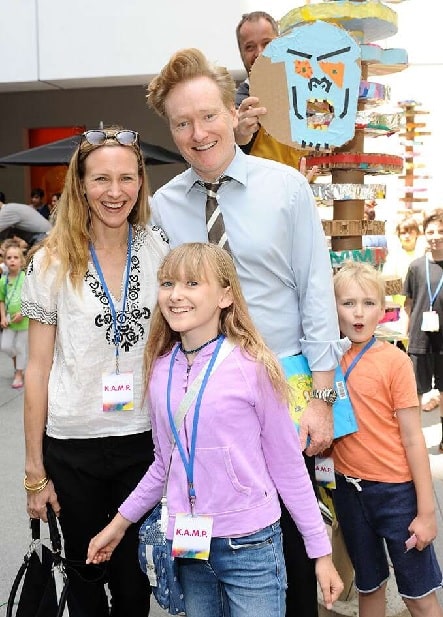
{"points": [[323, 77]]}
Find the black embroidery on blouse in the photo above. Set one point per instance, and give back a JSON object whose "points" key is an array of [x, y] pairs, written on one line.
{"points": [[132, 326], [163, 235], [30, 268]]}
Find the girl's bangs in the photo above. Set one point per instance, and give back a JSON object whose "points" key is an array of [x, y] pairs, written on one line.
{"points": [[184, 261]]}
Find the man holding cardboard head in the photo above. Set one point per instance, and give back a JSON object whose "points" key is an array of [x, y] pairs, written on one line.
{"points": [[254, 31], [274, 233]]}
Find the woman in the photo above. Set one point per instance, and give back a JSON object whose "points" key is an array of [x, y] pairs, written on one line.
{"points": [[89, 293]]}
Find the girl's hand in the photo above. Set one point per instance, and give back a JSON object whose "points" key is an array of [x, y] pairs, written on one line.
{"points": [[329, 580], [17, 318], [103, 544]]}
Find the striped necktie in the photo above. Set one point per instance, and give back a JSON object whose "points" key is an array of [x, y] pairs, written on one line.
{"points": [[214, 218]]}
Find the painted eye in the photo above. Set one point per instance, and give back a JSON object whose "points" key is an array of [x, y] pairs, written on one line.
{"points": [[303, 68], [335, 70]]}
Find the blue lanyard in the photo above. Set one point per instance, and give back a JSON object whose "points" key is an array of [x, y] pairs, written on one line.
{"points": [[428, 282], [189, 463], [358, 356], [116, 320], [9, 296]]}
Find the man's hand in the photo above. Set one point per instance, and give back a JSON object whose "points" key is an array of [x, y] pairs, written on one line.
{"points": [[248, 113], [316, 423]]}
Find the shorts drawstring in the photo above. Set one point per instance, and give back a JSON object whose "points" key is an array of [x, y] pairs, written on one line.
{"points": [[355, 482]]}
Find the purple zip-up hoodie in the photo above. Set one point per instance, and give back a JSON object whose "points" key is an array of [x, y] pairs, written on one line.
{"points": [[247, 449]]}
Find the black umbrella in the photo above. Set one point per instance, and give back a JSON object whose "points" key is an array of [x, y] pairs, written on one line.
{"points": [[60, 153]]}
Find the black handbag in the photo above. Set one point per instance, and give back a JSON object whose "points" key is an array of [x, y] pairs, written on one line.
{"points": [[41, 585]]}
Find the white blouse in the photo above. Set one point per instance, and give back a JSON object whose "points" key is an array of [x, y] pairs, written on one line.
{"points": [[84, 343]]}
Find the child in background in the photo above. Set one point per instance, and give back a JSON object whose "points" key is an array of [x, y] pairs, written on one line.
{"points": [[384, 491], [246, 449], [407, 246], [14, 340]]}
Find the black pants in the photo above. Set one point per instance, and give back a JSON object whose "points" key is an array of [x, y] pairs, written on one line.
{"points": [[301, 595], [92, 477]]}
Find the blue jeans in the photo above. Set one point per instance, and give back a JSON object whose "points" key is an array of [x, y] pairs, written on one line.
{"points": [[244, 577]]}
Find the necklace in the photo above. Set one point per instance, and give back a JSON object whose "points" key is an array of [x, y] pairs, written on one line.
{"points": [[188, 352]]}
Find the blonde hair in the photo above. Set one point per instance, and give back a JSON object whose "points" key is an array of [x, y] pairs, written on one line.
{"points": [[185, 65], [203, 261], [13, 244], [69, 239], [363, 274]]}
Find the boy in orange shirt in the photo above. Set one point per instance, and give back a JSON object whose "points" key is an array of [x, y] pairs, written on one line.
{"points": [[384, 494]]}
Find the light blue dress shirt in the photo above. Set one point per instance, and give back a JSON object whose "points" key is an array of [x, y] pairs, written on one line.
{"points": [[279, 249]]}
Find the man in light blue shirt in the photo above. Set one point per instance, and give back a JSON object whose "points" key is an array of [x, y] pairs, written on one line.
{"points": [[272, 225]]}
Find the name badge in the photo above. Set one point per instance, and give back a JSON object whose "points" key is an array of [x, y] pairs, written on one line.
{"points": [[118, 392], [324, 471], [192, 536], [430, 322]]}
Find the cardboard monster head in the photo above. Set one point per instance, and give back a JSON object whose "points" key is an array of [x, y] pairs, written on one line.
{"points": [[309, 82]]}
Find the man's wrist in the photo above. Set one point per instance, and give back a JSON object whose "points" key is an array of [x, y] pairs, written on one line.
{"points": [[327, 395], [241, 139]]}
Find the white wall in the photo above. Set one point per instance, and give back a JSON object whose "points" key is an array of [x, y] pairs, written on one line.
{"points": [[53, 41], [18, 41]]}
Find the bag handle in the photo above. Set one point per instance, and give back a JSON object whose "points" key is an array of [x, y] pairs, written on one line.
{"points": [[54, 533]]}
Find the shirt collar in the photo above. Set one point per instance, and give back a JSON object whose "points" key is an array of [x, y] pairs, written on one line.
{"points": [[237, 170]]}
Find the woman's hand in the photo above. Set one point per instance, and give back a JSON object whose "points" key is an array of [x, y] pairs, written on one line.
{"points": [[37, 502]]}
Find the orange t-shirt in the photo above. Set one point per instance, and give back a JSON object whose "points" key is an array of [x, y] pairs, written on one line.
{"points": [[381, 383]]}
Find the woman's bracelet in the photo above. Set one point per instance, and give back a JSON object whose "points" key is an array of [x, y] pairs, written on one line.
{"points": [[37, 487]]}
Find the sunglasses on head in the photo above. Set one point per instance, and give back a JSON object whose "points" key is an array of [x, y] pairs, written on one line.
{"points": [[97, 137]]}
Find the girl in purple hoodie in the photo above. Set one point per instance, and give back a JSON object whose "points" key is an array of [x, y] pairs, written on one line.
{"points": [[236, 449]]}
